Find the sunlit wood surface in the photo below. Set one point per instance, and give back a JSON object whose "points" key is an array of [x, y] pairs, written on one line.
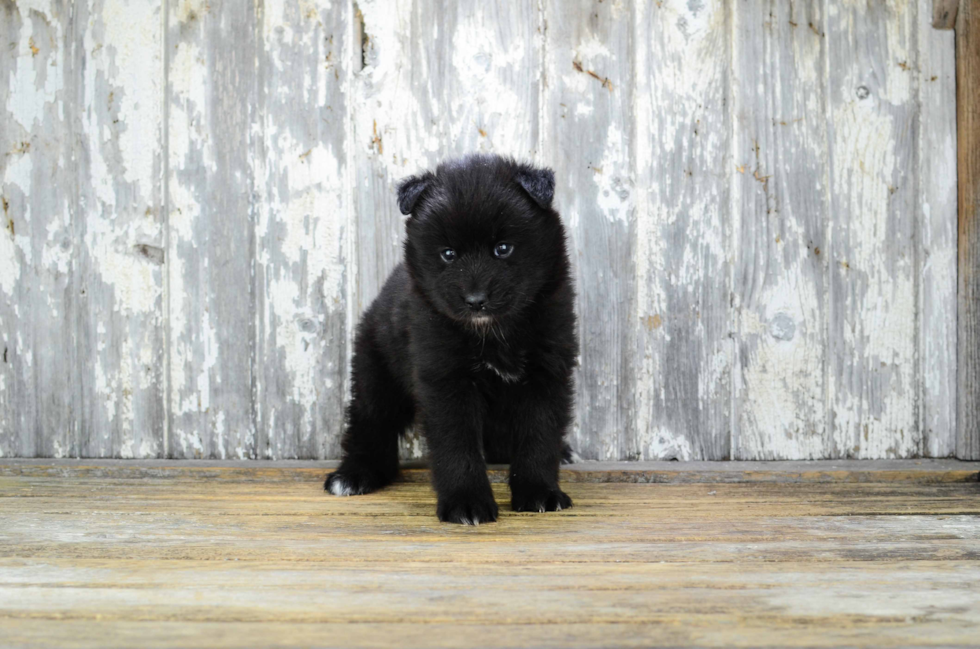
{"points": [[242, 557]]}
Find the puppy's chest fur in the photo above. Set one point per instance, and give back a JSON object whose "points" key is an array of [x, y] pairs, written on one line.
{"points": [[503, 361]]}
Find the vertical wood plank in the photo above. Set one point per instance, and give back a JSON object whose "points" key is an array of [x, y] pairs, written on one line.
{"points": [[302, 234], [683, 255], [586, 129], [968, 159], [37, 247], [211, 102], [872, 307], [436, 83], [780, 214], [120, 335], [936, 255]]}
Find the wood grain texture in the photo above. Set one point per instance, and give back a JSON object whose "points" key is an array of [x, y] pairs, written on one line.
{"points": [[968, 169], [586, 129], [642, 472], [871, 245], [119, 255], [781, 214], [682, 323], [303, 228], [211, 104], [38, 247], [113, 561], [936, 238]]}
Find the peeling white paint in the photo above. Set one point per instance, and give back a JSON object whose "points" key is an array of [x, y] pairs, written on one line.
{"points": [[780, 204], [9, 264], [130, 27], [303, 202], [682, 248], [28, 101], [614, 177], [19, 171], [880, 301]]}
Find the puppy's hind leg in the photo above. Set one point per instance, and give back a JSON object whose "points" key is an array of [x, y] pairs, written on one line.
{"points": [[378, 413], [568, 455]]}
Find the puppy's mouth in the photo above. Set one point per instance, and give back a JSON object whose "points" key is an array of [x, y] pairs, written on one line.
{"points": [[481, 318]]}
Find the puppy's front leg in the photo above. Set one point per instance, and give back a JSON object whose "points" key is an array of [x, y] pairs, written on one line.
{"points": [[452, 419], [539, 416]]}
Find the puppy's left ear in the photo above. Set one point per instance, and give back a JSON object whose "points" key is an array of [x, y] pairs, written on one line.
{"points": [[409, 191], [538, 183]]}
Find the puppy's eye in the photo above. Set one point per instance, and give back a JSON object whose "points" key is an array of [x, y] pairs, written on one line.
{"points": [[503, 250], [448, 255]]}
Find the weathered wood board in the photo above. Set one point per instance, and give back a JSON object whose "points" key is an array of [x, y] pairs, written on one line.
{"points": [[118, 222], [303, 228], [586, 129], [198, 204], [123, 559], [937, 242], [968, 321], [871, 378], [922, 471], [38, 287], [212, 117], [781, 214]]}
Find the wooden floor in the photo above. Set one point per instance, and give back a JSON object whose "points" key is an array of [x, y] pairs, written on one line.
{"points": [[162, 555]]}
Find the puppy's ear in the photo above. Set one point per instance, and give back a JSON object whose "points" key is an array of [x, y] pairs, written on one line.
{"points": [[409, 191], [538, 183]]}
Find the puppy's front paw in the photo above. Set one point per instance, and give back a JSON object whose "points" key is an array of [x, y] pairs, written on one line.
{"points": [[467, 508], [538, 498], [353, 481]]}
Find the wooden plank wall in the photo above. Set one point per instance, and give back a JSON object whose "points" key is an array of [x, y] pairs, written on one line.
{"points": [[198, 203], [968, 129]]}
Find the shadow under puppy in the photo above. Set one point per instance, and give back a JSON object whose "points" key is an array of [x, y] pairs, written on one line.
{"points": [[473, 338]]}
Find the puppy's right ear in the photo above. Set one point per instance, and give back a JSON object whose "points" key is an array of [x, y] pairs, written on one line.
{"points": [[409, 191], [538, 183]]}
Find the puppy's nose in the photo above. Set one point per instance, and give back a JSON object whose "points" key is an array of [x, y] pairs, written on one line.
{"points": [[476, 301]]}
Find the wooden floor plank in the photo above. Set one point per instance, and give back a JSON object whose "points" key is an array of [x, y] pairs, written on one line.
{"points": [[916, 471], [176, 559]]}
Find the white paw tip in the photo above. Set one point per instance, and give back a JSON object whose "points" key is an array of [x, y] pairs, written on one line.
{"points": [[339, 487]]}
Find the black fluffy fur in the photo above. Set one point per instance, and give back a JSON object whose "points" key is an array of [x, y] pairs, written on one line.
{"points": [[490, 383]]}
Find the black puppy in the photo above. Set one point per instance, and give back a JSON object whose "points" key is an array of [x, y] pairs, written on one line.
{"points": [[473, 338]]}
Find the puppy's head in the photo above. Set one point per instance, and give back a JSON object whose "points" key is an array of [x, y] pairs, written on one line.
{"points": [[483, 240]]}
